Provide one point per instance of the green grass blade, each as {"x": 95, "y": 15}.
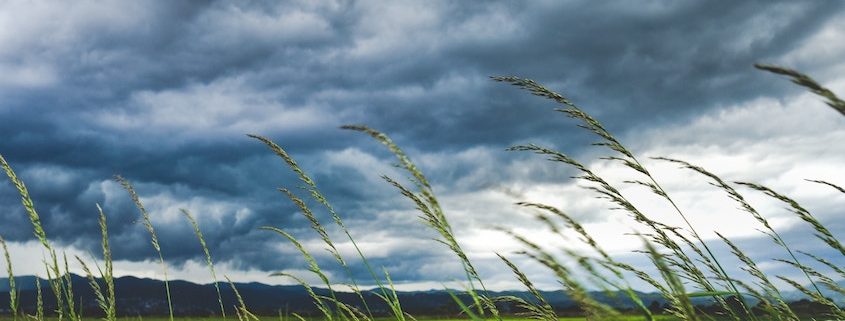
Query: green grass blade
{"x": 71, "y": 309}
{"x": 39, "y": 300}
{"x": 244, "y": 312}
{"x": 102, "y": 302}
{"x": 148, "y": 224}
{"x": 208, "y": 259}
{"x": 805, "y": 81}
{"x": 822, "y": 232}
{"x": 317, "y": 195}
{"x": 463, "y": 306}
{"x": 13, "y": 292}
{"x": 108, "y": 274}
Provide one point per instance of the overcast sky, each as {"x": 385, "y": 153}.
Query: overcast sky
{"x": 163, "y": 93}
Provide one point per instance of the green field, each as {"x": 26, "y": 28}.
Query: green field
{"x": 276, "y": 318}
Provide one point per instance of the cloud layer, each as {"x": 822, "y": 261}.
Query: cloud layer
{"x": 163, "y": 93}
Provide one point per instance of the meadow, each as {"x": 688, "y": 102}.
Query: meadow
{"x": 686, "y": 266}
{"x": 659, "y": 318}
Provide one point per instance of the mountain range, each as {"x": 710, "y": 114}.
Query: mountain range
{"x": 146, "y": 297}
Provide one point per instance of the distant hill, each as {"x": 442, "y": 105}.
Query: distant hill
{"x": 137, "y": 296}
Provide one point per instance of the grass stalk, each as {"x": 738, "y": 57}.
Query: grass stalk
{"x": 607, "y": 261}
{"x": 629, "y": 160}
{"x": 243, "y": 313}
{"x": 347, "y": 311}
{"x": 745, "y": 206}
{"x": 68, "y": 292}
{"x": 318, "y": 300}
{"x": 683, "y": 307}
{"x": 148, "y": 225}
{"x": 543, "y": 311}
{"x": 39, "y": 300}
{"x": 13, "y": 291}
{"x": 834, "y": 186}
{"x": 101, "y": 298}
{"x": 771, "y": 291}
{"x": 661, "y": 233}
{"x": 313, "y": 267}
{"x": 835, "y": 311}
{"x": 56, "y": 281}
{"x": 108, "y": 274}
{"x": 317, "y": 195}
{"x": 593, "y": 309}
{"x": 208, "y": 259}
{"x": 29, "y": 206}
{"x": 432, "y": 213}
{"x": 821, "y": 231}
{"x": 825, "y": 280}
{"x": 839, "y": 270}
{"x": 805, "y": 81}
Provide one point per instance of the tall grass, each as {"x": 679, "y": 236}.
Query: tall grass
{"x": 13, "y": 291}
{"x": 107, "y": 300}
{"x": 208, "y": 259}
{"x": 605, "y": 189}
{"x": 148, "y": 225}
{"x": 57, "y": 283}
{"x": 241, "y": 310}
{"x": 72, "y": 314}
{"x": 433, "y": 216}
{"x": 314, "y": 192}
{"x": 745, "y": 206}
{"x": 39, "y": 301}
{"x": 684, "y": 265}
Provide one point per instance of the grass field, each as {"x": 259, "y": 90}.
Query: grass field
{"x": 276, "y": 318}
{"x": 687, "y": 267}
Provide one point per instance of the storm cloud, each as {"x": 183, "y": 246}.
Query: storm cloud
{"x": 164, "y": 92}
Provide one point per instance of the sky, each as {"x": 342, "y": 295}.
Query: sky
{"x": 164, "y": 93}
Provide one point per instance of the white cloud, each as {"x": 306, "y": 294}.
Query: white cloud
{"x": 225, "y": 107}
{"x": 776, "y": 143}
{"x": 238, "y": 26}
{"x": 35, "y": 36}
{"x": 822, "y": 50}
{"x": 166, "y": 203}
{"x": 27, "y": 75}
{"x": 28, "y": 259}
{"x": 392, "y": 29}
{"x": 762, "y": 28}
{"x": 351, "y": 158}
{"x": 26, "y": 26}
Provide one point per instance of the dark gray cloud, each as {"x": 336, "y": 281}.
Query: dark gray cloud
{"x": 163, "y": 93}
